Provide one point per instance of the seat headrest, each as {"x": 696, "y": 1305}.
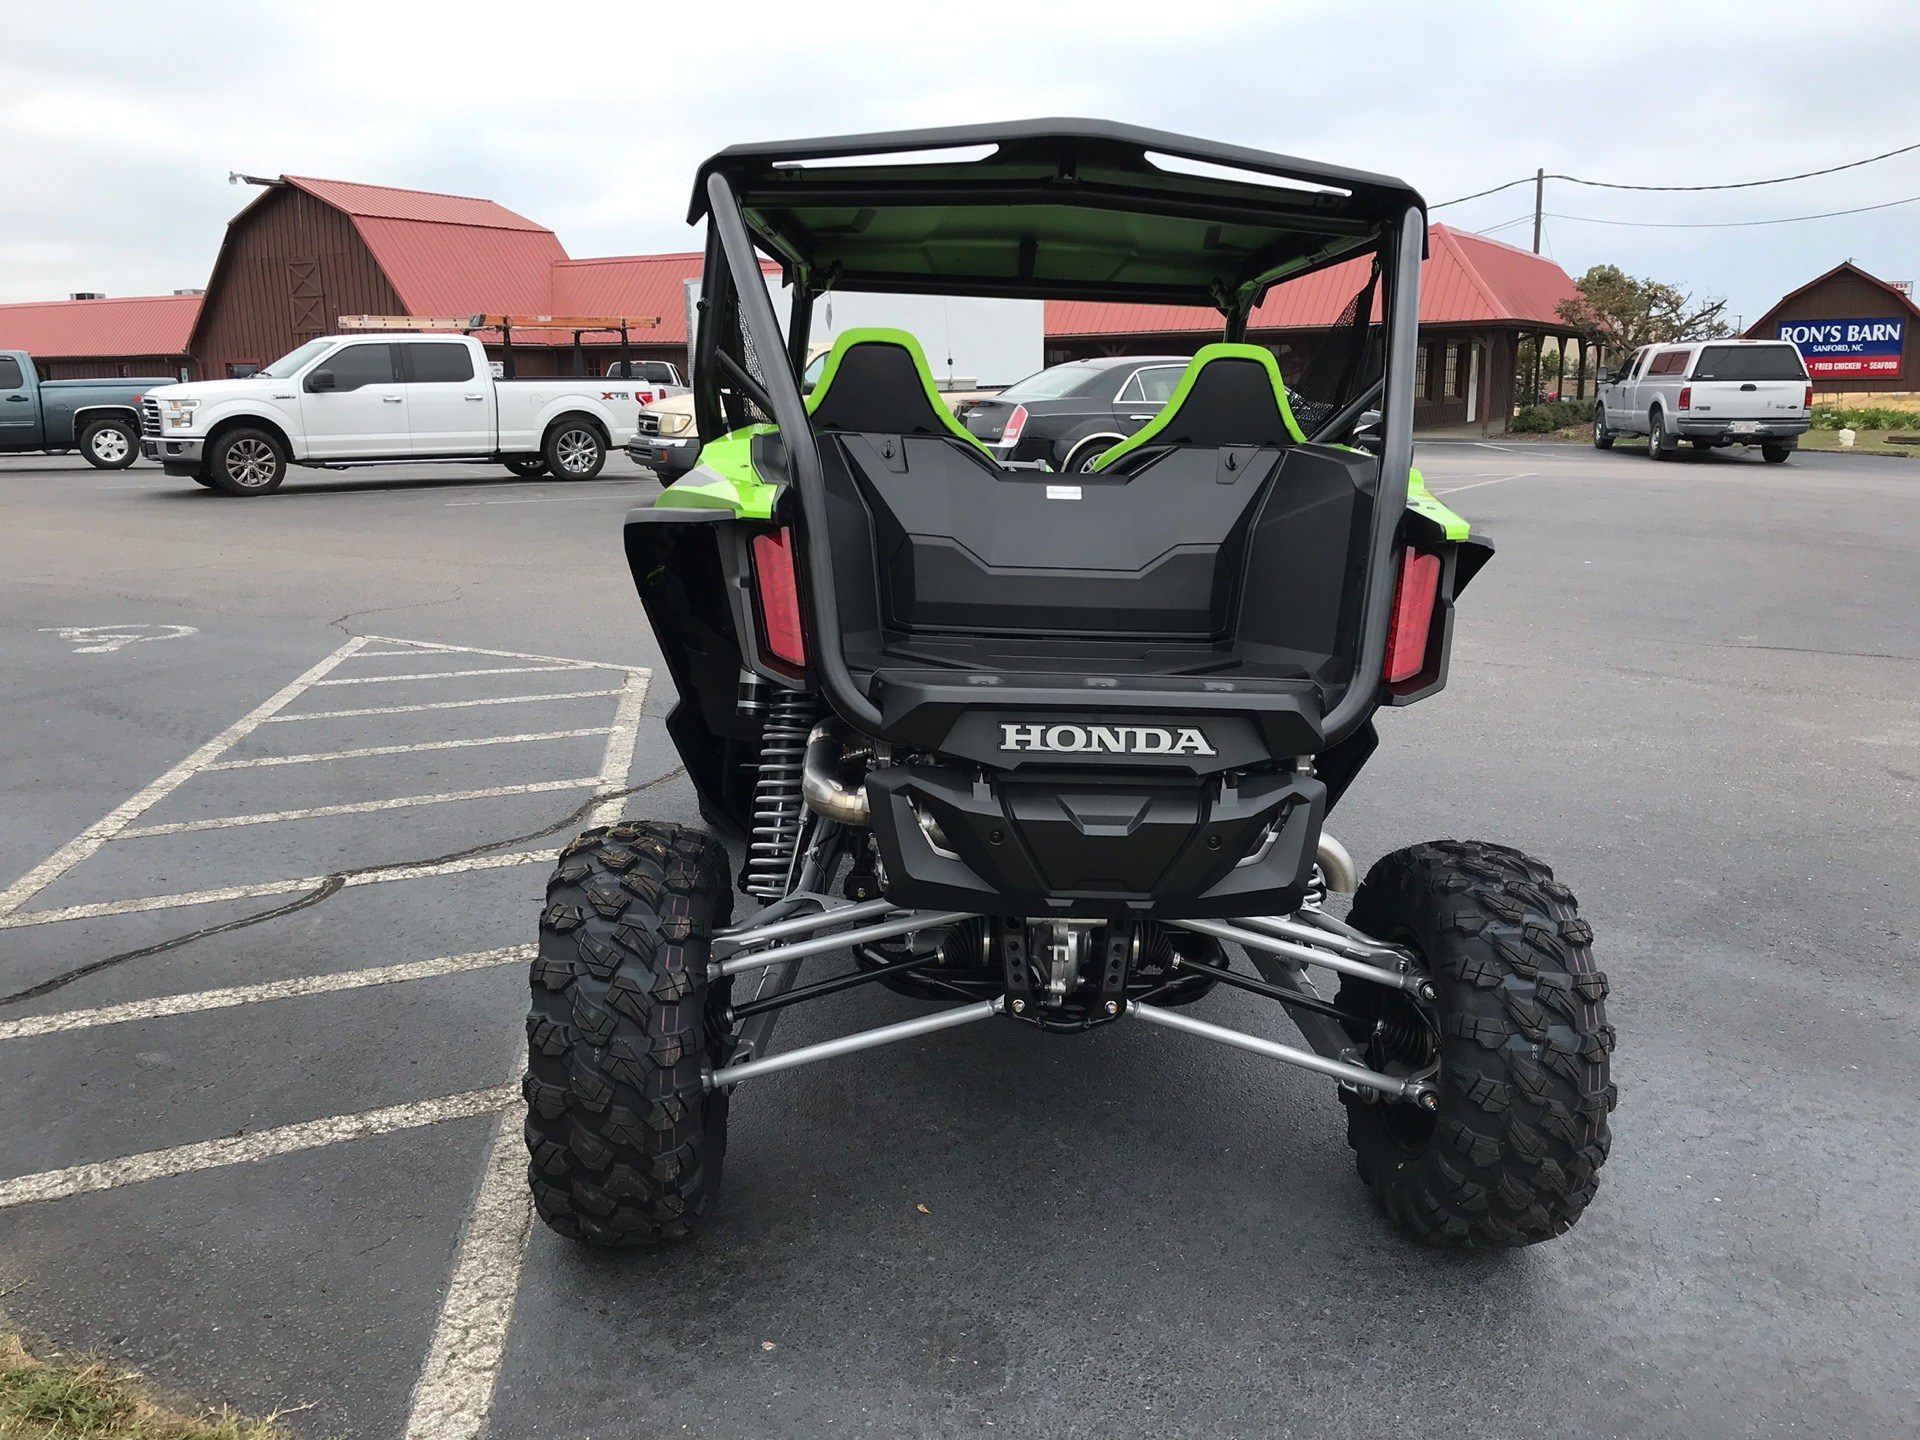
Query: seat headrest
{"x": 1229, "y": 395}
{"x": 876, "y": 381}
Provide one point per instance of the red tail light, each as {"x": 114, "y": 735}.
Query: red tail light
{"x": 1686, "y": 397}
{"x": 779, "y": 597}
{"x": 1807, "y": 404}
{"x": 1413, "y": 599}
{"x": 1016, "y": 422}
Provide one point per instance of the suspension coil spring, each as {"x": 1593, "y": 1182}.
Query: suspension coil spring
{"x": 777, "y": 808}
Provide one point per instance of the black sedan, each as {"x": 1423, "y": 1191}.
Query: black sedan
{"x": 1069, "y": 414}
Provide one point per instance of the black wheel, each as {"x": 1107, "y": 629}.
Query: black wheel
{"x": 1080, "y": 459}
{"x": 1519, "y": 1037}
{"x": 110, "y": 444}
{"x": 1657, "y": 447}
{"x": 1602, "y": 436}
{"x": 626, "y": 1147}
{"x": 1775, "y": 454}
{"x": 575, "y": 450}
{"x": 246, "y": 462}
{"x": 529, "y": 468}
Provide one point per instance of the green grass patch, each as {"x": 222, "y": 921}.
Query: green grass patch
{"x": 1865, "y": 442}
{"x": 90, "y": 1399}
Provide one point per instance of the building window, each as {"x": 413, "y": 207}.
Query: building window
{"x": 242, "y": 369}
{"x": 1450, "y": 382}
{"x": 1420, "y": 374}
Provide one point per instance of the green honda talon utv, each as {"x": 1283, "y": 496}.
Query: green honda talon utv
{"x": 1047, "y": 753}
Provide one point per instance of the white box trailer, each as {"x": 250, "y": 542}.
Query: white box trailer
{"x": 970, "y": 342}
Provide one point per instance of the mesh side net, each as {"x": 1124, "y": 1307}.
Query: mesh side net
{"x": 1349, "y": 358}
{"x": 736, "y": 342}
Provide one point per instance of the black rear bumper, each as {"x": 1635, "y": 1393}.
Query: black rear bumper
{"x": 1105, "y": 844}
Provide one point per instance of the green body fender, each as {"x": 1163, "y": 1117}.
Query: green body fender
{"x": 1420, "y": 500}
{"x": 724, "y": 479}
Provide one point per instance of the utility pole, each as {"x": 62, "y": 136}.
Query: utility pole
{"x": 1539, "y": 196}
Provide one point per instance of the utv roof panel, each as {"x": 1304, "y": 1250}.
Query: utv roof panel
{"x": 1061, "y": 208}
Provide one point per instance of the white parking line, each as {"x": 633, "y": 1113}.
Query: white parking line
{"x": 436, "y": 705}
{"x": 1497, "y": 480}
{"x": 21, "y": 919}
{"x": 622, "y": 739}
{"x": 454, "y": 1393}
{"x": 116, "y": 820}
{"x": 450, "y": 674}
{"x": 437, "y": 647}
{"x": 357, "y": 807}
{"x": 262, "y": 761}
{"x": 230, "y": 996}
{"x": 259, "y": 1145}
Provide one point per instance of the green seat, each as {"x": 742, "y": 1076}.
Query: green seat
{"x": 1230, "y": 395}
{"x": 876, "y": 381}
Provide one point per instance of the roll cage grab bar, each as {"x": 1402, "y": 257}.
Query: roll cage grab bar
{"x": 1407, "y": 240}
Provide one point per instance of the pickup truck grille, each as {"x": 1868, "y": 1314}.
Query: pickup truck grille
{"x": 149, "y": 417}
{"x": 647, "y": 424}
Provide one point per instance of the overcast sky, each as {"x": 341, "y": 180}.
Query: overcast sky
{"x": 121, "y": 121}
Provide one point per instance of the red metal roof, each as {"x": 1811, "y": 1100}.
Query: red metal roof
{"x": 135, "y": 325}
{"x": 634, "y": 285}
{"x": 1466, "y": 279}
{"x": 383, "y": 202}
{"x": 448, "y": 254}
{"x": 630, "y": 285}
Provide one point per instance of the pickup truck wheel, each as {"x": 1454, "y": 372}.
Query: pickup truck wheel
{"x": 575, "y": 450}
{"x": 110, "y": 444}
{"x": 246, "y": 462}
{"x": 527, "y": 469}
{"x": 1602, "y": 437}
{"x": 1657, "y": 447}
{"x": 1775, "y": 454}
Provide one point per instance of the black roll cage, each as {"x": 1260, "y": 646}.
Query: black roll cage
{"x": 735, "y": 297}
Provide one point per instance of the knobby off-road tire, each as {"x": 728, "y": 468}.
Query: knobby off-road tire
{"x": 1513, "y": 1153}
{"x": 626, "y": 1148}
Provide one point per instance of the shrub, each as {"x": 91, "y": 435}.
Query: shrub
{"x": 1553, "y": 415}
{"x": 1863, "y": 417}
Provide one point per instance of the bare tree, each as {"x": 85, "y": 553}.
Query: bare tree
{"x": 1621, "y": 313}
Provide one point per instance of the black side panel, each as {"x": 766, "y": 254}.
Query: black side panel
{"x": 679, "y": 572}
{"x": 1306, "y": 561}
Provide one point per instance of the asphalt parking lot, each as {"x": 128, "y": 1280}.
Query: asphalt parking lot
{"x": 278, "y": 778}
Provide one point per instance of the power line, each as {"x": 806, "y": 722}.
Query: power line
{"x": 1504, "y": 224}
{"x": 1745, "y": 184}
{"x": 1724, "y": 224}
{"x": 1731, "y": 185}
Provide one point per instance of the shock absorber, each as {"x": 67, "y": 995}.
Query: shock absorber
{"x": 777, "y": 810}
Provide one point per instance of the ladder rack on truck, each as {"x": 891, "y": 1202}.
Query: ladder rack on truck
{"x": 507, "y": 324}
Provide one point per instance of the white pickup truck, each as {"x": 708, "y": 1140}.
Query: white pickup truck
{"x": 1709, "y": 393}
{"x": 380, "y": 399}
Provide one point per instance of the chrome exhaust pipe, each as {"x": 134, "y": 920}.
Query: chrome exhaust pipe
{"x": 1336, "y": 865}
{"x": 822, "y": 787}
